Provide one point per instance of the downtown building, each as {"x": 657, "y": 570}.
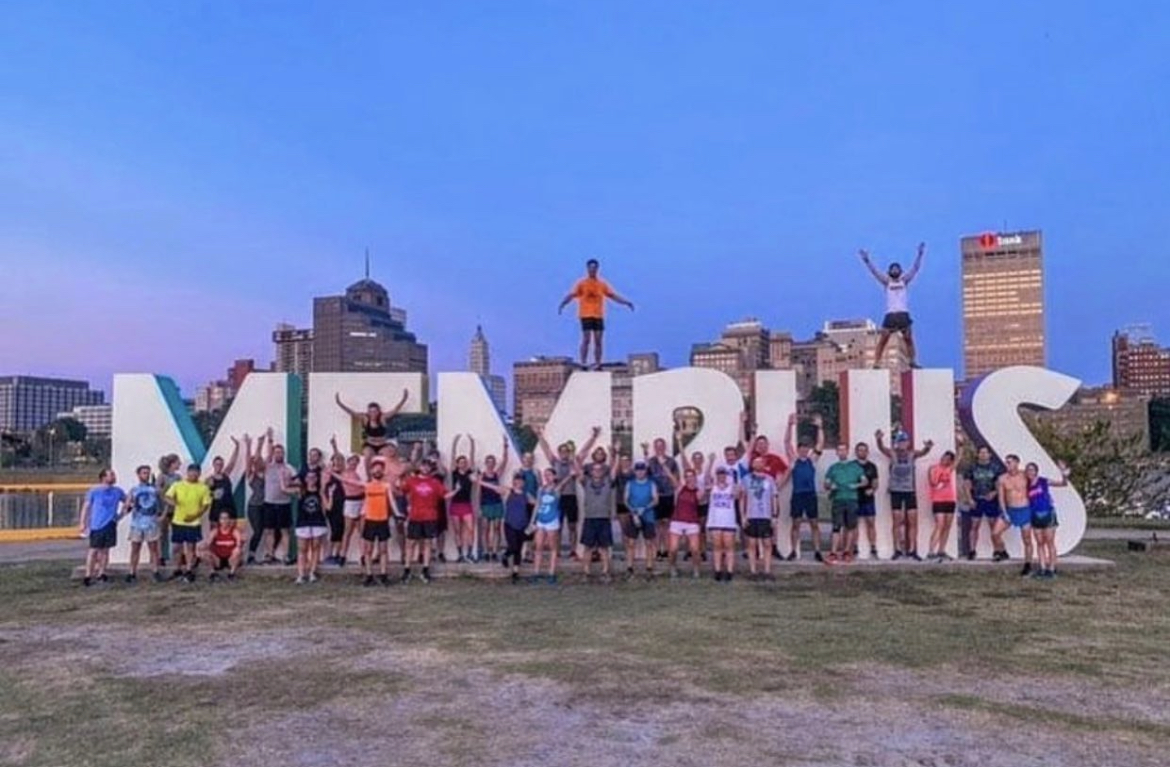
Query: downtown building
{"x": 479, "y": 361}
{"x": 1003, "y": 302}
{"x": 28, "y": 402}
{"x": 1140, "y": 365}
{"x": 537, "y": 384}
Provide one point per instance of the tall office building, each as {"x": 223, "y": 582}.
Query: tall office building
{"x": 1140, "y": 365}
{"x": 1003, "y": 301}
{"x": 479, "y": 361}
{"x": 536, "y": 386}
{"x": 27, "y": 402}
{"x": 294, "y": 350}
{"x": 98, "y": 420}
{"x": 361, "y": 332}
{"x": 744, "y": 348}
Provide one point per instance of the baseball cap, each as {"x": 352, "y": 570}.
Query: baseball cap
{"x": 640, "y": 465}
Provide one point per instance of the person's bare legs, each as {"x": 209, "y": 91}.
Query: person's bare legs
{"x": 766, "y": 552}
{"x": 795, "y": 548}
{"x": 899, "y": 529}
{"x": 871, "y": 532}
{"x": 135, "y": 552}
{"x": 883, "y": 341}
{"x": 912, "y": 531}
{"x": 597, "y": 346}
{"x": 908, "y": 342}
{"x": 1026, "y": 535}
{"x": 585, "y": 335}
{"x": 696, "y": 553}
{"x": 973, "y": 536}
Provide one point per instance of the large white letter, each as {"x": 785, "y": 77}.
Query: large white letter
{"x": 586, "y": 402}
{"x": 714, "y": 394}
{"x": 864, "y": 409}
{"x": 327, "y": 420}
{"x": 466, "y": 408}
{"x": 928, "y": 413}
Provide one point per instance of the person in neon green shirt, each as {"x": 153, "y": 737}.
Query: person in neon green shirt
{"x": 191, "y": 499}
{"x": 843, "y": 480}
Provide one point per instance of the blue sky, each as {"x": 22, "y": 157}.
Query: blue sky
{"x": 177, "y": 177}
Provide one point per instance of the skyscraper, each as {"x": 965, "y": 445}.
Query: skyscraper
{"x": 479, "y": 361}
{"x": 1003, "y": 301}
{"x": 537, "y": 385}
{"x": 294, "y": 350}
{"x": 361, "y": 332}
{"x": 27, "y": 403}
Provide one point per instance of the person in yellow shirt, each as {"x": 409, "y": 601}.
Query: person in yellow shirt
{"x": 590, "y": 294}
{"x": 191, "y": 499}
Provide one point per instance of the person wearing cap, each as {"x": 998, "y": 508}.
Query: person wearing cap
{"x": 517, "y": 505}
{"x": 903, "y": 490}
{"x": 722, "y": 523}
{"x": 425, "y": 495}
{"x": 191, "y": 500}
{"x": 641, "y": 500}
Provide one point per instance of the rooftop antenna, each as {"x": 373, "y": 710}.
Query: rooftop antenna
{"x": 367, "y": 262}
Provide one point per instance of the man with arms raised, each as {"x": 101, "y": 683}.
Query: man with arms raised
{"x": 590, "y": 294}
{"x": 803, "y": 461}
{"x": 1013, "y": 492}
{"x": 903, "y": 489}
{"x": 897, "y": 317}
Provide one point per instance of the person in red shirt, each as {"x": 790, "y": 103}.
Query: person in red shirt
{"x": 424, "y": 495}
{"x": 224, "y": 548}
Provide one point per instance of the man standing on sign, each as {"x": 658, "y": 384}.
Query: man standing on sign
{"x": 590, "y": 294}
{"x": 897, "y": 317}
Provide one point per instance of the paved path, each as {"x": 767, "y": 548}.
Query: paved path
{"x": 54, "y": 549}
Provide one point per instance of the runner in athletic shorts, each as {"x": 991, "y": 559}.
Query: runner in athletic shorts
{"x": 564, "y": 464}
{"x": 354, "y": 489}
{"x": 982, "y": 484}
{"x": 685, "y": 526}
{"x": 312, "y": 526}
{"x": 722, "y": 524}
{"x": 664, "y": 471}
{"x": 99, "y": 520}
{"x": 903, "y": 491}
{"x": 335, "y": 494}
{"x": 225, "y": 548}
{"x": 461, "y": 512}
{"x": 897, "y": 317}
{"x": 802, "y": 460}
{"x": 702, "y": 467}
{"x": 1044, "y": 522}
{"x": 547, "y": 523}
{"x": 597, "y": 510}
{"x": 143, "y": 504}
{"x": 943, "y": 503}
{"x": 376, "y": 508}
{"x": 277, "y": 503}
{"x": 843, "y": 480}
{"x": 491, "y": 504}
{"x": 254, "y": 475}
{"x": 191, "y": 499}
{"x": 866, "y": 497}
{"x": 426, "y": 494}
{"x": 1013, "y": 492}
{"x": 590, "y": 294}
{"x": 758, "y": 497}
{"x": 642, "y": 501}
{"x": 375, "y": 431}
{"x": 516, "y": 504}
{"x": 223, "y": 489}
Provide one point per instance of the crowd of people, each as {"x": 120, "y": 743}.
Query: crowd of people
{"x": 667, "y": 506}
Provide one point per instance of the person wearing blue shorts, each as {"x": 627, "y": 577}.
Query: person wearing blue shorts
{"x": 981, "y": 487}
{"x": 1044, "y": 516}
{"x": 1013, "y": 492}
{"x": 802, "y": 460}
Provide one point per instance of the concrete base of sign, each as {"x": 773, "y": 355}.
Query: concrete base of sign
{"x": 569, "y": 569}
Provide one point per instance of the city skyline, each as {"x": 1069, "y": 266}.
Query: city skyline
{"x": 187, "y": 180}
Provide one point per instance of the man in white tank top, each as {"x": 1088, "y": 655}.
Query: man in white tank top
{"x": 897, "y": 318}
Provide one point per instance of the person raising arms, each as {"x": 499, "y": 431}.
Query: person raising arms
{"x": 903, "y": 490}
{"x": 687, "y": 522}
{"x": 591, "y": 294}
{"x": 461, "y": 510}
{"x": 1044, "y": 516}
{"x": 897, "y": 318}
{"x": 375, "y": 424}
{"x": 802, "y": 460}
{"x": 491, "y": 504}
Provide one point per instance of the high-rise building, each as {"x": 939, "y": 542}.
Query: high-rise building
{"x": 213, "y": 396}
{"x": 744, "y": 348}
{"x": 1003, "y": 301}
{"x": 240, "y": 370}
{"x": 27, "y": 402}
{"x": 1127, "y": 414}
{"x": 1140, "y": 365}
{"x": 294, "y": 350}
{"x": 479, "y": 361}
{"x": 537, "y": 385}
{"x": 644, "y": 364}
{"x": 361, "y": 332}
{"x": 814, "y": 361}
{"x": 98, "y": 420}
{"x": 780, "y": 351}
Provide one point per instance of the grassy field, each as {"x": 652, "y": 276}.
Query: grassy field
{"x": 869, "y": 668}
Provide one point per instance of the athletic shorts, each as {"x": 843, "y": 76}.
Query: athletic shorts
{"x": 703, "y": 510}
{"x": 592, "y": 324}
{"x": 186, "y": 534}
{"x": 277, "y": 516}
{"x": 104, "y": 538}
{"x": 311, "y": 532}
{"x": 804, "y": 505}
{"x": 377, "y": 530}
{"x": 144, "y": 532}
{"x": 900, "y": 499}
{"x": 514, "y": 539}
{"x": 597, "y": 533}
{"x": 459, "y": 510}
{"x": 758, "y": 528}
{"x": 985, "y": 508}
{"x": 553, "y": 526}
{"x": 419, "y": 530}
{"x": 943, "y": 507}
{"x": 679, "y": 528}
{"x": 353, "y": 509}
{"x": 492, "y": 511}
{"x": 844, "y": 515}
{"x": 569, "y": 509}
{"x": 646, "y": 529}
{"x": 897, "y": 321}
{"x": 665, "y": 509}
{"x": 866, "y": 509}
{"x": 1042, "y": 521}
{"x": 1019, "y": 517}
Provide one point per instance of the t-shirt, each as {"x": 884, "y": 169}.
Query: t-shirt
{"x": 984, "y": 479}
{"x": 564, "y": 470}
{"x": 897, "y": 296}
{"x": 1039, "y": 496}
{"x": 424, "y": 495}
{"x": 531, "y": 482}
{"x": 620, "y": 481}
{"x": 902, "y": 473}
{"x": 658, "y": 468}
{"x": 222, "y": 495}
{"x": 640, "y": 493}
{"x": 104, "y": 501}
{"x": 144, "y": 502}
{"x": 591, "y": 295}
{"x": 721, "y": 512}
{"x": 275, "y": 476}
{"x": 759, "y": 491}
{"x": 256, "y": 491}
{"x": 942, "y": 484}
{"x": 597, "y": 498}
{"x": 686, "y": 505}
{"x": 774, "y": 466}
{"x": 376, "y": 506}
{"x": 548, "y": 507}
{"x": 846, "y": 476}
{"x": 462, "y": 484}
{"x": 516, "y": 511}
{"x": 804, "y": 476}
{"x": 312, "y": 511}
{"x": 735, "y": 471}
{"x": 191, "y": 498}
{"x": 865, "y": 495}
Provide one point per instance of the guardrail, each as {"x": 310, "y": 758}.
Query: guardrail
{"x": 35, "y": 511}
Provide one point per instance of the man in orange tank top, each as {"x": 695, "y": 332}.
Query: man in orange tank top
{"x": 591, "y": 294}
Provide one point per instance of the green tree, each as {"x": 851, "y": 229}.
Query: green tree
{"x": 525, "y": 437}
{"x": 825, "y": 400}
{"x": 1160, "y": 425}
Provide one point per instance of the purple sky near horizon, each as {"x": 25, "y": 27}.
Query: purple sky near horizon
{"x": 178, "y": 177}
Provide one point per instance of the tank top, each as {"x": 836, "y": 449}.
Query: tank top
{"x": 488, "y": 497}
{"x": 461, "y": 482}
{"x": 564, "y": 470}
{"x": 942, "y": 484}
{"x": 897, "y": 301}
{"x": 373, "y": 431}
{"x": 640, "y": 493}
{"x": 224, "y": 541}
{"x": 721, "y": 511}
{"x": 686, "y": 505}
{"x": 222, "y": 495}
{"x": 336, "y": 497}
{"x": 312, "y": 512}
{"x": 256, "y": 491}
{"x": 902, "y": 473}
{"x": 516, "y": 511}
{"x": 804, "y": 476}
